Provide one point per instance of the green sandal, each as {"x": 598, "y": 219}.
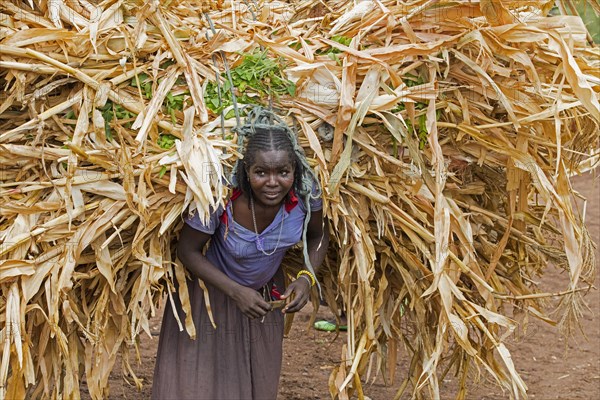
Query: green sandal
{"x": 328, "y": 326}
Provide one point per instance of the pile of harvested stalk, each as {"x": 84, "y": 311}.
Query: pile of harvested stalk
{"x": 444, "y": 134}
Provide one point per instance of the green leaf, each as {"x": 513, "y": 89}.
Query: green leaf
{"x": 256, "y": 78}
{"x": 166, "y": 141}
{"x": 342, "y": 40}
{"x": 162, "y": 171}
{"x": 291, "y": 89}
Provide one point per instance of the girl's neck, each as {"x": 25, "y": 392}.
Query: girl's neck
{"x": 261, "y": 207}
{"x": 264, "y": 215}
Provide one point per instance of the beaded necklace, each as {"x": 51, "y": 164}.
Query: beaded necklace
{"x": 260, "y": 241}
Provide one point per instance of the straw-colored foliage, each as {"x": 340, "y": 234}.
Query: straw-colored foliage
{"x": 444, "y": 134}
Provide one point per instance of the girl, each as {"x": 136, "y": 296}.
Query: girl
{"x": 273, "y": 206}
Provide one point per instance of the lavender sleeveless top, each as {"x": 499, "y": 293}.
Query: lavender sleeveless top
{"x": 235, "y": 250}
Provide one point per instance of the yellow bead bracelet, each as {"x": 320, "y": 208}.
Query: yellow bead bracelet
{"x": 312, "y": 282}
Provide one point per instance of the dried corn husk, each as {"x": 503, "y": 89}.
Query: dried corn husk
{"x": 442, "y": 227}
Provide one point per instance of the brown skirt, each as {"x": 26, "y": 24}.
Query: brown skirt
{"x": 240, "y": 359}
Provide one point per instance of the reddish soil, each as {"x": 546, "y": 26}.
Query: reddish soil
{"x": 552, "y": 367}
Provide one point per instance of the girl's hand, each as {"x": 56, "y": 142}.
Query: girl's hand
{"x": 301, "y": 289}
{"x": 251, "y": 303}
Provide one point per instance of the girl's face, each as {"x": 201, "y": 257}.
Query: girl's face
{"x": 271, "y": 176}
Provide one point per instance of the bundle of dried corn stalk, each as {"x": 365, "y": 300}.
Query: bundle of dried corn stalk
{"x": 444, "y": 134}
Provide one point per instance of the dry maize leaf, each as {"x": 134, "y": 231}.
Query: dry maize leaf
{"x": 429, "y": 98}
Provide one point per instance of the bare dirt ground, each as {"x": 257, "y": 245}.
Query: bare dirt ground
{"x": 552, "y": 367}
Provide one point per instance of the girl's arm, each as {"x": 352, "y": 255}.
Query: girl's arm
{"x": 189, "y": 251}
{"x": 317, "y": 241}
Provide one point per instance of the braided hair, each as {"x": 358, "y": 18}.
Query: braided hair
{"x": 265, "y": 131}
{"x": 266, "y": 139}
